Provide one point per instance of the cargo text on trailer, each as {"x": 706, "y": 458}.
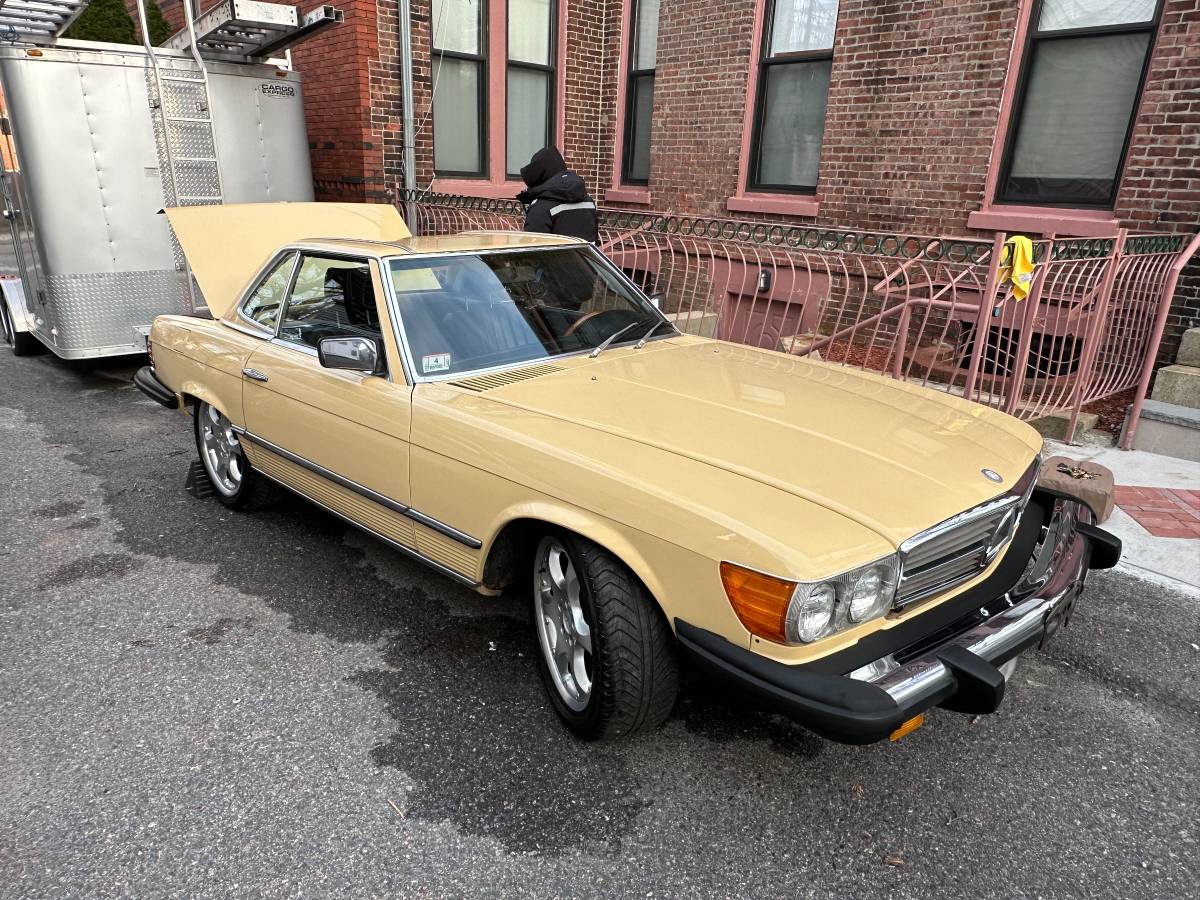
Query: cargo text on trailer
{"x": 103, "y": 136}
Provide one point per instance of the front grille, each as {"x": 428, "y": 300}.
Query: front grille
{"x": 955, "y": 551}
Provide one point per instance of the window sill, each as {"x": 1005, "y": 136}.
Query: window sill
{"x": 1088, "y": 223}
{"x": 774, "y": 203}
{"x": 474, "y": 187}
{"x": 640, "y": 196}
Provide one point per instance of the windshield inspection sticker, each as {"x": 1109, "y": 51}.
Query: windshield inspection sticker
{"x": 435, "y": 362}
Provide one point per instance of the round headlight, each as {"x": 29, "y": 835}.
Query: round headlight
{"x": 816, "y": 612}
{"x": 867, "y": 594}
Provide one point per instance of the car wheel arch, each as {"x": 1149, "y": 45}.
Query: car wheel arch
{"x": 513, "y": 545}
{"x": 194, "y": 393}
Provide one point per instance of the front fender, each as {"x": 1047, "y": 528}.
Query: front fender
{"x": 677, "y": 578}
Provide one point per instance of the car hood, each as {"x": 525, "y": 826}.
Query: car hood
{"x": 891, "y": 456}
{"x": 226, "y": 244}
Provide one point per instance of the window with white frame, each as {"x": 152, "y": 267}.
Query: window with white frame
{"x": 529, "y": 122}
{"x": 459, "y": 86}
{"x": 463, "y": 68}
{"x": 793, "y": 85}
{"x": 639, "y": 91}
{"x": 1081, "y": 77}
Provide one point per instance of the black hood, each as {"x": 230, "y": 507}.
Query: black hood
{"x": 546, "y": 163}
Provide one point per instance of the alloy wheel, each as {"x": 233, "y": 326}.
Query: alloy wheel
{"x": 563, "y": 631}
{"x": 221, "y": 451}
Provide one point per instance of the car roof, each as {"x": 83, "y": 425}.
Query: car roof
{"x": 464, "y": 242}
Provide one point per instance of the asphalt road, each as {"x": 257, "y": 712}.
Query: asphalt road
{"x": 200, "y": 703}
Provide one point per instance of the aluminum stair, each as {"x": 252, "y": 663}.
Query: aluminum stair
{"x": 38, "y": 18}
{"x": 251, "y": 29}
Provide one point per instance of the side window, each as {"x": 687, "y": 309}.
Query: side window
{"x": 331, "y": 298}
{"x": 264, "y": 304}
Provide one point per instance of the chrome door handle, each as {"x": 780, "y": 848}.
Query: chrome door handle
{"x": 254, "y": 374}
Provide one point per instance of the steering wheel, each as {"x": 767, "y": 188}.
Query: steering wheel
{"x": 624, "y": 314}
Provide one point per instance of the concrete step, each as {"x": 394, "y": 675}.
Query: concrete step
{"x": 1179, "y": 385}
{"x": 798, "y": 344}
{"x": 695, "y": 321}
{"x": 1168, "y": 429}
{"x": 1189, "y": 348}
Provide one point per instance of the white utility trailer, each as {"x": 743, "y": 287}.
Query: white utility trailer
{"x": 103, "y": 136}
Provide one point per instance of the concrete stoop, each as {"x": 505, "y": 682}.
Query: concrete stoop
{"x": 1189, "y": 349}
{"x": 1170, "y": 429}
{"x": 1179, "y": 385}
{"x": 1054, "y": 426}
{"x": 697, "y": 321}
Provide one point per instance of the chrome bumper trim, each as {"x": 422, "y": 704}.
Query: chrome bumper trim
{"x": 999, "y": 637}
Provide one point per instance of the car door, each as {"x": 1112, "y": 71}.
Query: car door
{"x": 339, "y": 437}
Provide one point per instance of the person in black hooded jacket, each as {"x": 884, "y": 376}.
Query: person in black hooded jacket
{"x": 557, "y": 198}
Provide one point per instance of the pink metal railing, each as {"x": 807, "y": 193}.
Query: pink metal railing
{"x": 939, "y": 312}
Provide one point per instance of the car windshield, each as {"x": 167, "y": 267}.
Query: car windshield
{"x": 477, "y": 311}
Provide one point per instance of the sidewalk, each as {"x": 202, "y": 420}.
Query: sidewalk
{"x": 1157, "y": 516}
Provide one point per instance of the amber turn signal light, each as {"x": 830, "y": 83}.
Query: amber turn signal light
{"x": 760, "y": 601}
{"x": 907, "y": 727}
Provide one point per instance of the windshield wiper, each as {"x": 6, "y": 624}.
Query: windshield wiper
{"x": 608, "y": 340}
{"x": 645, "y": 337}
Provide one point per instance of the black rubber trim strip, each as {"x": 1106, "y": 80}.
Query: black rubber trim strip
{"x": 980, "y": 684}
{"x": 1105, "y": 546}
{"x": 147, "y": 382}
{"x": 890, "y": 640}
{"x": 374, "y": 496}
{"x": 1063, "y": 495}
{"x": 842, "y": 709}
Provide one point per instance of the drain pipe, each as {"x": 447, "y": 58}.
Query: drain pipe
{"x": 406, "y": 101}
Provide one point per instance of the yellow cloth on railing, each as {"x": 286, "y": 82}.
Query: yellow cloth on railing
{"x": 1017, "y": 265}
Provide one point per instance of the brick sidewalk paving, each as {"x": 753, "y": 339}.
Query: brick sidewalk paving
{"x": 1163, "y": 512}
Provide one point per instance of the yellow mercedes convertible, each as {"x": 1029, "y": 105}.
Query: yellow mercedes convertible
{"x": 510, "y": 409}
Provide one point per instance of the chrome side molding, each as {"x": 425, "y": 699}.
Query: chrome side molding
{"x": 374, "y": 496}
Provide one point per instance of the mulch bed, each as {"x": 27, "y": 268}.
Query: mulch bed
{"x": 1111, "y": 410}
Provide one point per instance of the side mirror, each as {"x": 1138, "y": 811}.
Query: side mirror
{"x": 656, "y": 298}
{"x": 357, "y": 354}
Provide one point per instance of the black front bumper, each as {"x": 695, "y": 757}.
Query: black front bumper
{"x": 948, "y": 656}
{"x": 147, "y": 382}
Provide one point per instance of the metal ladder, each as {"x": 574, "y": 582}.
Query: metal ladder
{"x": 183, "y": 125}
{"x": 183, "y": 130}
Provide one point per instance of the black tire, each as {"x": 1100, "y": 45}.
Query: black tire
{"x": 633, "y": 667}
{"x": 252, "y": 489}
{"x": 22, "y": 342}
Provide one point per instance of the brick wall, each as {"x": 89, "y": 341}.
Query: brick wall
{"x": 913, "y": 107}
{"x": 1161, "y": 188}
{"x": 591, "y": 38}
{"x": 346, "y": 146}
{"x": 912, "y": 117}
{"x": 699, "y": 103}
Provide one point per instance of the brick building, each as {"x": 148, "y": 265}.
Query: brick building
{"x": 960, "y": 117}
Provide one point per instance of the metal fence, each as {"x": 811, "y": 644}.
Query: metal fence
{"x": 935, "y": 311}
